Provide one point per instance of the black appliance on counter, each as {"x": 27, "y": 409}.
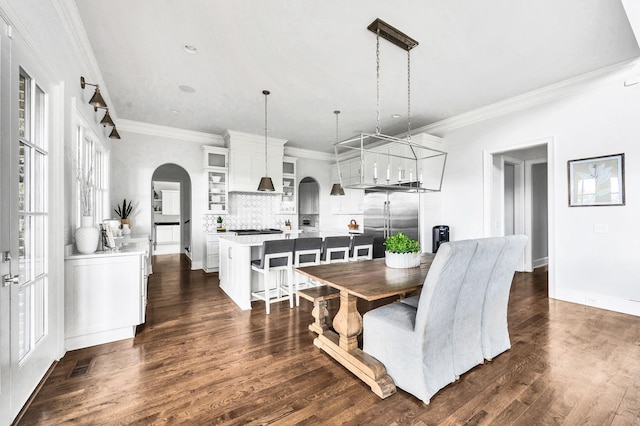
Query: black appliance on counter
{"x": 440, "y": 235}
{"x": 255, "y": 231}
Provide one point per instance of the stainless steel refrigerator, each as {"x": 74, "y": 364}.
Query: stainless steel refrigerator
{"x": 387, "y": 212}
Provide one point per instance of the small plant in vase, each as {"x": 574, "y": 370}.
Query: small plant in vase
{"x": 401, "y": 251}
{"x": 123, "y": 213}
{"x": 219, "y": 222}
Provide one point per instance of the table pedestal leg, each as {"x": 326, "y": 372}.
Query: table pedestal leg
{"x": 343, "y": 347}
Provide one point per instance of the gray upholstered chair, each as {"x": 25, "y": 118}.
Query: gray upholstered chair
{"x": 416, "y": 344}
{"x": 277, "y": 256}
{"x": 467, "y": 341}
{"x": 495, "y": 332}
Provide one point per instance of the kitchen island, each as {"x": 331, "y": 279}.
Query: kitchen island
{"x": 236, "y": 254}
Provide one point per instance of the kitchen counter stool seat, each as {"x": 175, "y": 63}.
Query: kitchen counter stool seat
{"x": 361, "y": 247}
{"x": 275, "y": 263}
{"x": 306, "y": 253}
{"x": 336, "y": 249}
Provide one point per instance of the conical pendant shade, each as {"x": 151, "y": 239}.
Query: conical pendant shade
{"x": 106, "y": 120}
{"x": 336, "y": 189}
{"x": 114, "y": 134}
{"x": 266, "y": 184}
{"x": 97, "y": 100}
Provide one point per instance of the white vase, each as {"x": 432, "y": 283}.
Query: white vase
{"x": 401, "y": 260}
{"x": 87, "y": 236}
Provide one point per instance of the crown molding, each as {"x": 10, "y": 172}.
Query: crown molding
{"x": 307, "y": 153}
{"x": 70, "y": 19}
{"x": 535, "y": 97}
{"x": 169, "y": 132}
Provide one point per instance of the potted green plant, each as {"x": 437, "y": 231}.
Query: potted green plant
{"x": 123, "y": 212}
{"x": 220, "y": 227}
{"x": 401, "y": 251}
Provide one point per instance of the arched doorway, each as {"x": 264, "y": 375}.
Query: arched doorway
{"x": 309, "y": 206}
{"x": 171, "y": 210}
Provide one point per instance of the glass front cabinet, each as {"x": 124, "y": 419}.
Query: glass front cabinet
{"x": 216, "y": 171}
{"x": 289, "y": 199}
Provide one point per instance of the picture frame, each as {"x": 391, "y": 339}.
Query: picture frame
{"x": 596, "y": 181}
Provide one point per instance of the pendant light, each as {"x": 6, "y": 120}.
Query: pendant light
{"x": 337, "y": 189}
{"x": 114, "y": 133}
{"x": 265, "y": 182}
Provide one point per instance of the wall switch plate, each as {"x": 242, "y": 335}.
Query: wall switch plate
{"x": 601, "y": 228}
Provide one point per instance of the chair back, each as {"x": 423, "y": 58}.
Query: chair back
{"x": 467, "y": 341}
{"x": 307, "y": 251}
{"x": 279, "y": 253}
{"x": 361, "y": 247}
{"x": 336, "y": 249}
{"x": 495, "y": 332}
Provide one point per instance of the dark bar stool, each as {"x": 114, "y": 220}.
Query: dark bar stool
{"x": 361, "y": 247}
{"x": 336, "y": 249}
{"x": 277, "y": 256}
{"x": 306, "y": 253}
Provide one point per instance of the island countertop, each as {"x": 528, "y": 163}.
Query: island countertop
{"x": 250, "y": 240}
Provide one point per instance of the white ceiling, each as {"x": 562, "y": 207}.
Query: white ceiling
{"x": 318, "y": 56}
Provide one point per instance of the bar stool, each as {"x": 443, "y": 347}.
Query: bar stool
{"x": 335, "y": 249}
{"x": 277, "y": 256}
{"x": 306, "y": 253}
{"x": 361, "y": 247}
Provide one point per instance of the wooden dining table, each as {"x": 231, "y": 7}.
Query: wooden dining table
{"x": 369, "y": 280}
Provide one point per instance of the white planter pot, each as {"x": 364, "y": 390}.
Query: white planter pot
{"x": 401, "y": 260}
{"x": 87, "y": 236}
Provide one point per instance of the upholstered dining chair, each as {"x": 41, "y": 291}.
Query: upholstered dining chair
{"x": 275, "y": 263}
{"x": 495, "y": 331}
{"x": 416, "y": 344}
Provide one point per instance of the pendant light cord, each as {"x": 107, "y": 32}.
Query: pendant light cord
{"x": 378, "y": 82}
{"x": 409, "y": 95}
{"x": 265, "y": 93}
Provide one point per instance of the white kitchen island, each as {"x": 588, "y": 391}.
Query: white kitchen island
{"x": 236, "y": 253}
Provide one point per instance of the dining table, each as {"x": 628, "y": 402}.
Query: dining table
{"x": 370, "y": 280}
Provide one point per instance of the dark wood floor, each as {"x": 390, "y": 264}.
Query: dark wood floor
{"x": 201, "y": 360}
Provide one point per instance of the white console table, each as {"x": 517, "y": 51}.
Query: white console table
{"x": 105, "y": 295}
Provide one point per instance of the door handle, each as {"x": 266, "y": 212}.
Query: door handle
{"x": 9, "y": 279}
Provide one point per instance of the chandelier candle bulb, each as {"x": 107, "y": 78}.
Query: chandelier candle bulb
{"x": 410, "y": 174}
{"x": 375, "y": 170}
{"x": 420, "y": 177}
{"x": 399, "y": 173}
{"x": 388, "y": 172}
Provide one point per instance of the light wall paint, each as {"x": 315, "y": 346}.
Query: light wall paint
{"x": 584, "y": 267}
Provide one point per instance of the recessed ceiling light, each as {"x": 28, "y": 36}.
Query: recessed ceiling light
{"x": 175, "y": 111}
{"x": 187, "y": 89}
{"x": 190, "y": 49}
{"x": 396, "y": 116}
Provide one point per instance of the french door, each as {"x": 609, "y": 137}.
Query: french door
{"x": 29, "y": 331}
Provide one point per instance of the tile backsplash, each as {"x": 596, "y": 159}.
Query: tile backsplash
{"x": 248, "y": 210}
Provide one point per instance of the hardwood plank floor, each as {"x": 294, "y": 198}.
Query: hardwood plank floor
{"x": 201, "y": 360}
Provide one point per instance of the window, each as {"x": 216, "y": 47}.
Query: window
{"x": 92, "y": 167}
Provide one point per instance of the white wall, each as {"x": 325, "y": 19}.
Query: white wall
{"x": 585, "y": 267}
{"x": 134, "y": 159}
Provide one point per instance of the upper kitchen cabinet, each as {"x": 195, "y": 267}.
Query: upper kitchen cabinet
{"x": 216, "y": 172}
{"x": 247, "y": 161}
{"x": 289, "y": 199}
{"x": 170, "y": 202}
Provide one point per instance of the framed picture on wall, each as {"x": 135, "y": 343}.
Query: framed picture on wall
{"x": 596, "y": 181}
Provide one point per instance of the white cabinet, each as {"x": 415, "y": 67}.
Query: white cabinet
{"x": 216, "y": 172}
{"x": 247, "y": 161}
{"x": 105, "y": 297}
{"x": 289, "y": 198}
{"x": 170, "y": 202}
{"x": 352, "y": 202}
{"x": 167, "y": 234}
{"x": 212, "y": 253}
